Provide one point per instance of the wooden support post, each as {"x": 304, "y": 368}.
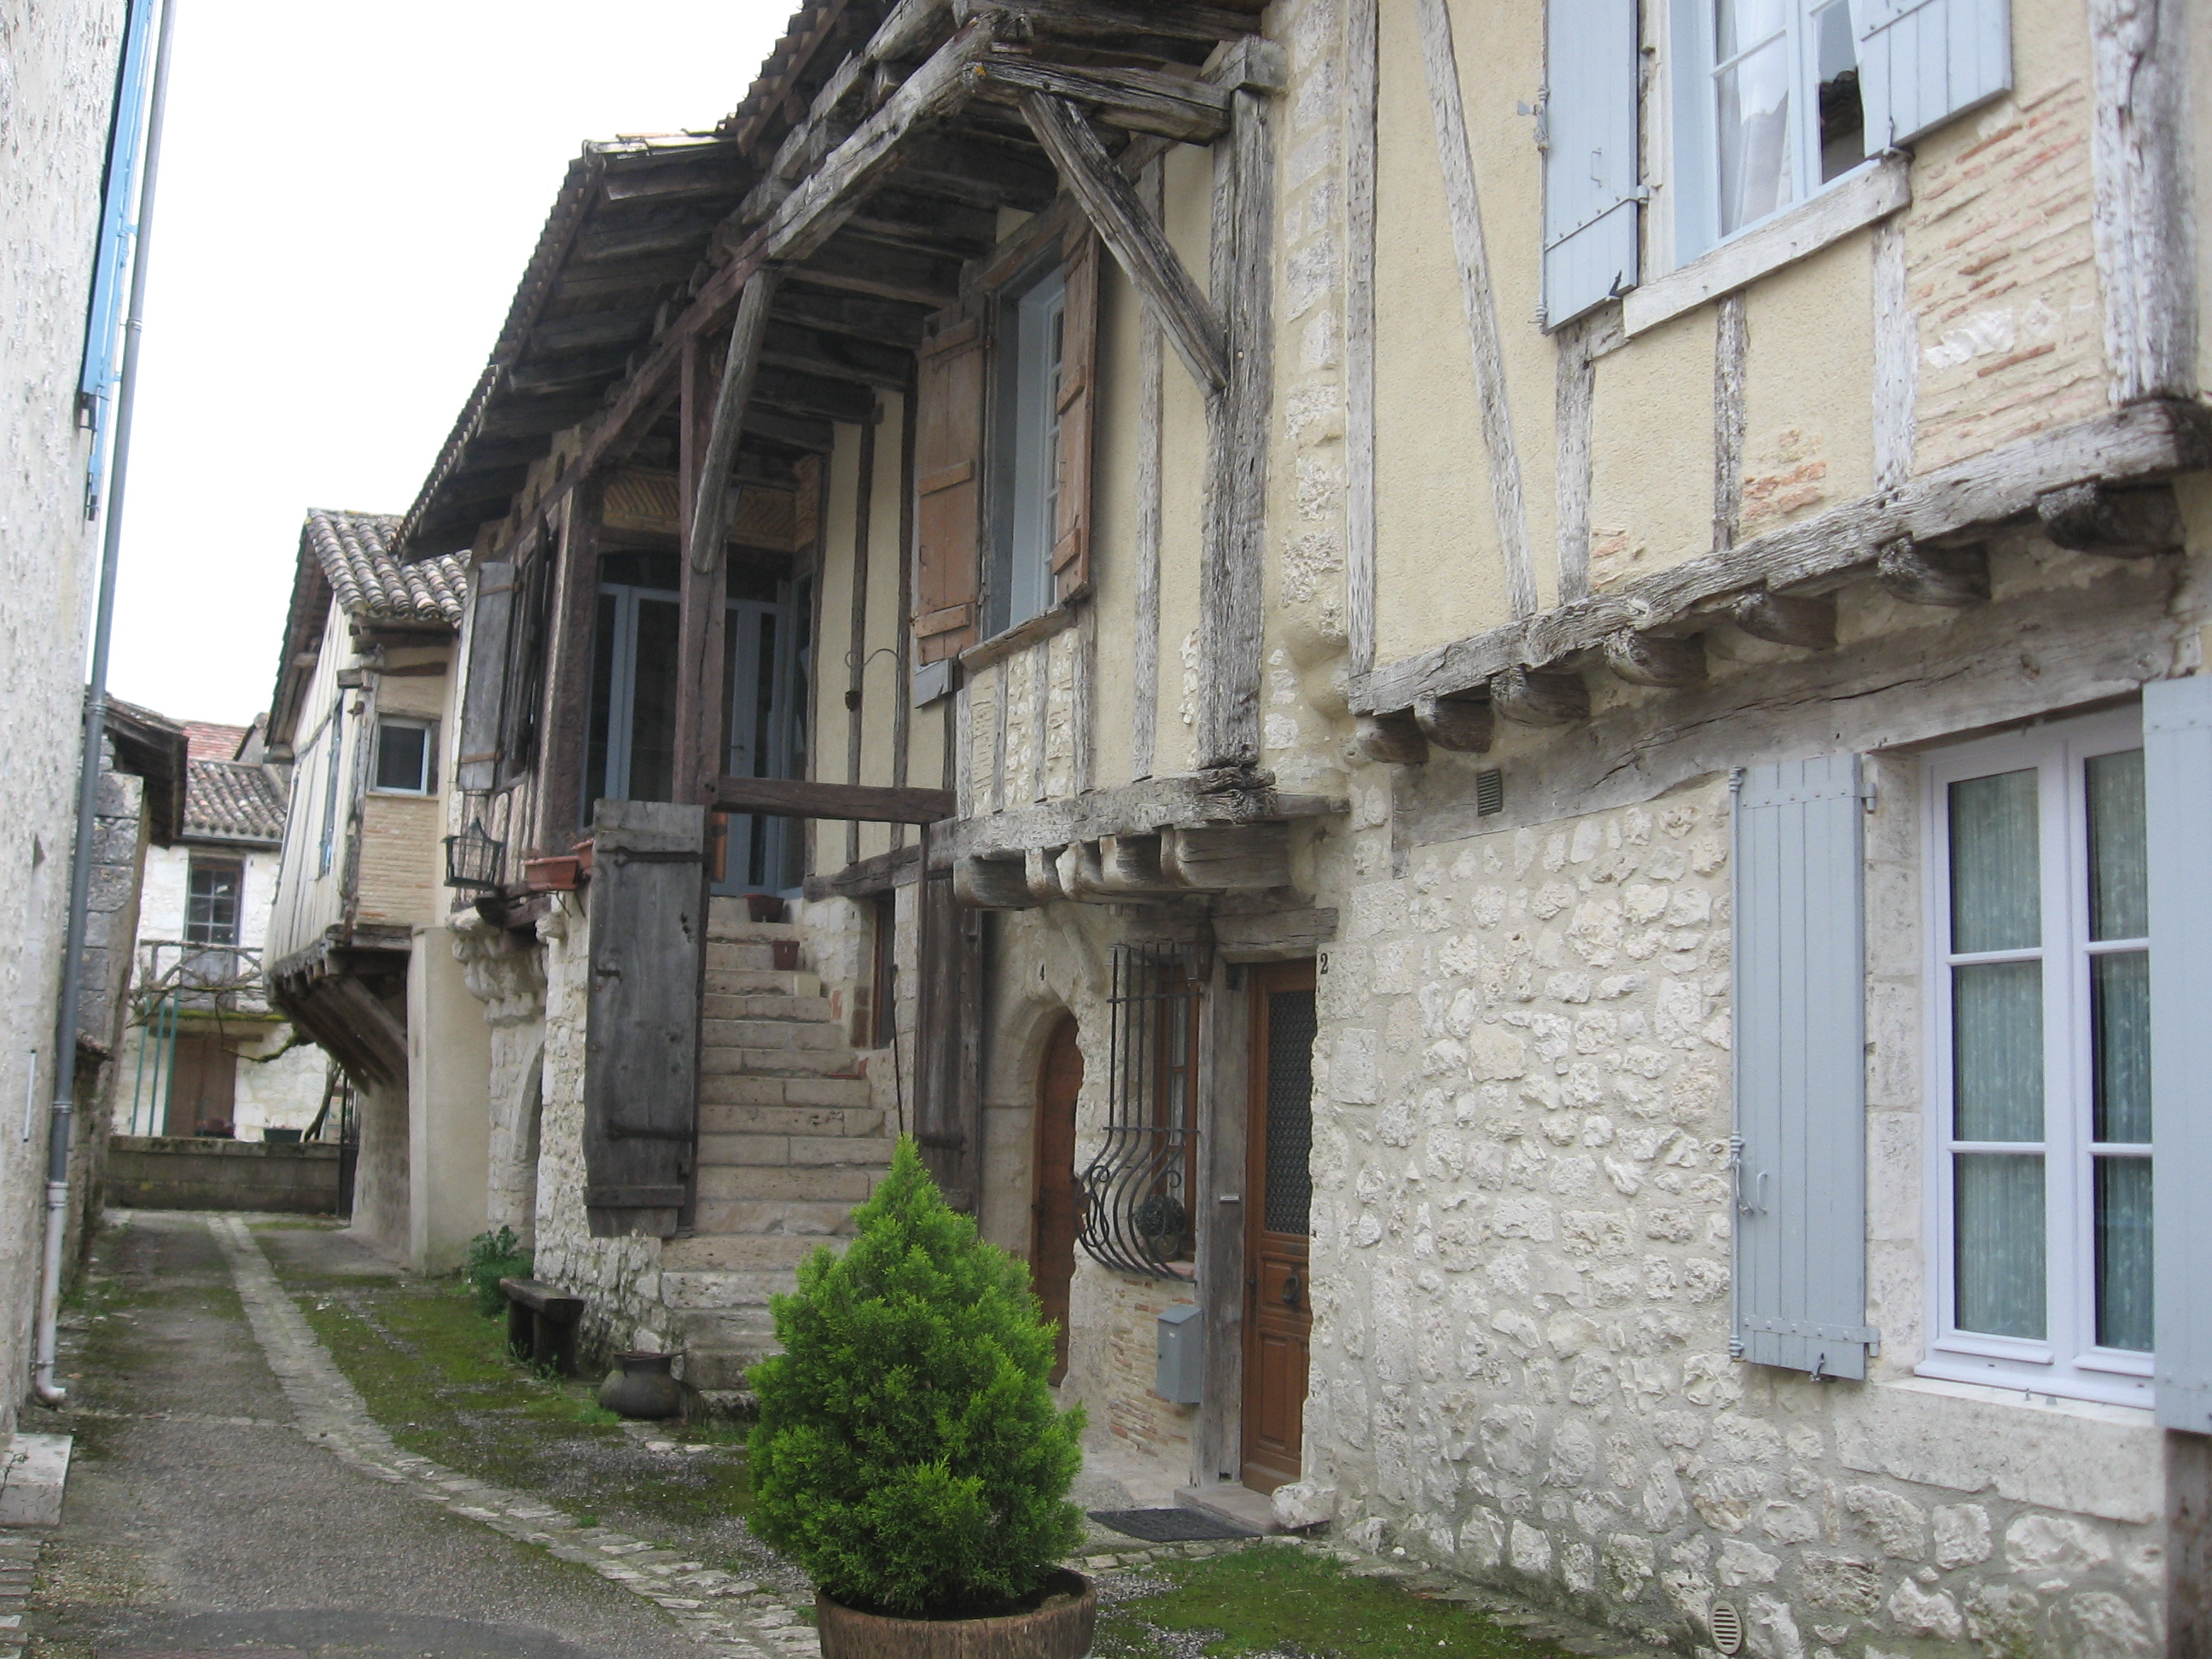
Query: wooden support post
{"x": 1731, "y": 354}
{"x": 856, "y": 654}
{"x": 564, "y": 804}
{"x": 699, "y": 627}
{"x": 1805, "y": 620}
{"x": 709, "y": 494}
{"x": 1920, "y": 574}
{"x": 902, "y": 627}
{"x": 1133, "y": 235}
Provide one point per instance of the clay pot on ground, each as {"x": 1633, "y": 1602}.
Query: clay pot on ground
{"x": 641, "y": 1386}
{"x": 1060, "y": 1627}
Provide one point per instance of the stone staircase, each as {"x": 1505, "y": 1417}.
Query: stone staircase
{"x": 789, "y": 1142}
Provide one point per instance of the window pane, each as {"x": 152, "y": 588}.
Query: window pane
{"x": 211, "y": 904}
{"x": 1753, "y": 130}
{"x": 401, "y": 751}
{"x": 2120, "y": 886}
{"x": 1996, "y": 893}
{"x": 1843, "y": 120}
{"x": 2124, "y": 1270}
{"x": 1738, "y": 25}
{"x": 1997, "y": 1050}
{"x": 2119, "y": 1034}
{"x": 2000, "y": 1244}
{"x": 653, "y": 710}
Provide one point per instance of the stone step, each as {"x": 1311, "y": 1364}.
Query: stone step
{"x": 722, "y": 925}
{"x": 761, "y": 981}
{"x": 724, "y": 956}
{"x": 771, "y": 1005}
{"x": 718, "y": 1253}
{"x": 716, "y": 1370}
{"x": 772, "y": 1034}
{"x": 789, "y": 1121}
{"x": 776, "y": 1218}
{"x": 795, "y": 1152}
{"x": 847, "y": 1184}
{"x": 734, "y": 1087}
{"x": 712, "y": 1293}
{"x": 718, "y": 1327}
{"x": 778, "y": 1062}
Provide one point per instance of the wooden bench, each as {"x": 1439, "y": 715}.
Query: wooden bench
{"x": 541, "y": 1323}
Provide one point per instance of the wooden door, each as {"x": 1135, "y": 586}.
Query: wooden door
{"x": 1053, "y": 1252}
{"x": 1278, "y": 1193}
{"x": 202, "y": 1083}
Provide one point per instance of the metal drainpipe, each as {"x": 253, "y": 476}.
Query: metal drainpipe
{"x": 63, "y": 1122}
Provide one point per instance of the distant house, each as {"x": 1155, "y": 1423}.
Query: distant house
{"x": 359, "y": 716}
{"x": 203, "y": 1050}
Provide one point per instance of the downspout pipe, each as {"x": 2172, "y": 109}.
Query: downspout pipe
{"x": 62, "y": 1124}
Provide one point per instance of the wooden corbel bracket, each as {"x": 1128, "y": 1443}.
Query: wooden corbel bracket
{"x": 1393, "y": 739}
{"x": 1806, "y": 621}
{"x": 1535, "y": 698}
{"x": 1465, "y": 725}
{"x": 1656, "y": 658}
{"x": 1920, "y": 573}
{"x": 2117, "y": 524}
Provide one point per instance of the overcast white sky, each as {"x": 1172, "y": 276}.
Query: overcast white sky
{"x": 347, "y": 195}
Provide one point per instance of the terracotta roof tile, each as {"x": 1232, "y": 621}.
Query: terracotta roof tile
{"x": 208, "y": 740}
{"x": 231, "y": 800}
{"x": 355, "y": 550}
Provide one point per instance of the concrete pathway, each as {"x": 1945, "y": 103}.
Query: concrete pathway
{"x": 231, "y": 1495}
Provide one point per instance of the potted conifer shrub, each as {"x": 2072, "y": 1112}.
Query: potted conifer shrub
{"x": 908, "y": 1454}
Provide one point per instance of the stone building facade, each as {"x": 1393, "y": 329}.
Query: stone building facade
{"x": 1491, "y": 705}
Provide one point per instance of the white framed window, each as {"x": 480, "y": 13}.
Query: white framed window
{"x": 1767, "y": 112}
{"x": 2039, "y": 1097}
{"x": 406, "y": 756}
{"x": 1031, "y": 343}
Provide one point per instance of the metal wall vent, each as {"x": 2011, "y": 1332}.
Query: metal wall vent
{"x": 1489, "y": 792}
{"x": 1727, "y": 1626}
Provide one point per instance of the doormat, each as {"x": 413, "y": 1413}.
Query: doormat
{"x": 1175, "y": 1526}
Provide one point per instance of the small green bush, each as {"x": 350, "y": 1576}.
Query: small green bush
{"x": 492, "y": 1257}
{"x": 908, "y": 1454}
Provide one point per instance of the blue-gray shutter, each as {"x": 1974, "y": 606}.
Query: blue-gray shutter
{"x": 1589, "y": 138}
{"x": 2178, "y": 797}
{"x": 1800, "y": 998}
{"x": 483, "y": 702}
{"x": 1922, "y": 62}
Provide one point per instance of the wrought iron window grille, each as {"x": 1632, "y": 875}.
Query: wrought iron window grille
{"x": 1136, "y": 1213}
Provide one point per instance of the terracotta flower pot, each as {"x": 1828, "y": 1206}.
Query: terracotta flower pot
{"x": 1059, "y": 1629}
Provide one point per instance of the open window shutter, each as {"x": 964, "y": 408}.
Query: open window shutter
{"x": 525, "y": 660}
{"x": 2178, "y": 797}
{"x": 642, "y": 1038}
{"x": 1079, "y": 370}
{"x": 493, "y": 604}
{"x": 1923, "y": 61}
{"x": 1590, "y": 182}
{"x": 949, "y": 483}
{"x": 1800, "y": 1026}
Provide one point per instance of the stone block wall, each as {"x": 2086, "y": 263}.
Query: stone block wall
{"x": 178, "y": 1172}
{"x": 1521, "y": 1365}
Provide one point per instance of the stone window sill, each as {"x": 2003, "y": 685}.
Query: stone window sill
{"x": 1853, "y": 204}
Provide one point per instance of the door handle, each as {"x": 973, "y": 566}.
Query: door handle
{"x": 1290, "y": 1291}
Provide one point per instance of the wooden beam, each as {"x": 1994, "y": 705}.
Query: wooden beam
{"x": 1655, "y": 658}
{"x": 899, "y": 868}
{"x": 831, "y": 316}
{"x": 1467, "y": 725}
{"x": 702, "y": 610}
{"x": 1478, "y": 300}
{"x": 2119, "y": 524}
{"x": 1539, "y": 699}
{"x": 1138, "y": 244}
{"x": 849, "y": 402}
{"x": 1225, "y": 795}
{"x": 992, "y": 884}
{"x": 1805, "y": 620}
{"x": 797, "y": 798}
{"x": 710, "y": 508}
{"x": 856, "y": 651}
{"x": 1140, "y": 100}
{"x": 1921, "y": 574}
{"x": 1109, "y": 24}
{"x": 2142, "y": 441}
{"x": 1395, "y": 739}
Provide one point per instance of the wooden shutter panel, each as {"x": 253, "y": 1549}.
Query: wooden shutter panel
{"x": 948, "y": 466}
{"x": 1078, "y": 393}
{"x": 1590, "y": 178}
{"x": 1922, "y": 62}
{"x": 1800, "y": 1025}
{"x": 2177, "y": 798}
{"x": 641, "y": 1041}
{"x": 492, "y": 613}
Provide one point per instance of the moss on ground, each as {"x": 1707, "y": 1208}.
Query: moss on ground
{"x": 1277, "y": 1600}
{"x": 437, "y": 1376}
